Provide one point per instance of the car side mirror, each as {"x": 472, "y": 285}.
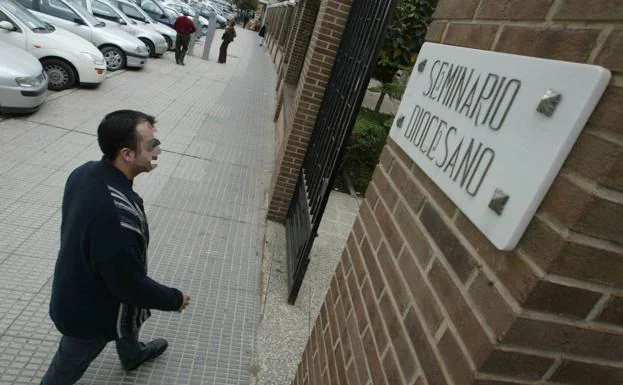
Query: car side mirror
{"x": 79, "y": 21}
{"x": 121, "y": 21}
{"x": 163, "y": 16}
{"x": 7, "y": 25}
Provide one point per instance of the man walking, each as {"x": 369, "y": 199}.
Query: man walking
{"x": 101, "y": 291}
{"x": 184, "y": 27}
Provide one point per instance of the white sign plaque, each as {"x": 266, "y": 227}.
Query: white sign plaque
{"x": 492, "y": 130}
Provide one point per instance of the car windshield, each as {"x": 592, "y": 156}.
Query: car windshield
{"x": 85, "y": 15}
{"x": 24, "y": 15}
{"x": 135, "y": 12}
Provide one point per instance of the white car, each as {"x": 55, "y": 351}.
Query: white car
{"x": 120, "y": 49}
{"x": 22, "y": 81}
{"x": 66, "y": 58}
{"x": 109, "y": 13}
{"x": 134, "y": 12}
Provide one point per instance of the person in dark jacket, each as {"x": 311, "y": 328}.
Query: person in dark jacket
{"x": 184, "y": 28}
{"x": 101, "y": 291}
{"x": 228, "y": 37}
{"x": 262, "y": 34}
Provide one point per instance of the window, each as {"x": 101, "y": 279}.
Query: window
{"x": 30, "y": 4}
{"x": 104, "y": 11}
{"x": 58, "y": 9}
{"x": 131, "y": 12}
{"x": 149, "y": 6}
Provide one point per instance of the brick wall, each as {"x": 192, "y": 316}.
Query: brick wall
{"x": 422, "y": 297}
{"x": 320, "y": 55}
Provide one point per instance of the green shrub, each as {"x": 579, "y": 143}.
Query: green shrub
{"x": 365, "y": 145}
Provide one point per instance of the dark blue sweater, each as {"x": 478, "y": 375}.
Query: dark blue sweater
{"x": 101, "y": 287}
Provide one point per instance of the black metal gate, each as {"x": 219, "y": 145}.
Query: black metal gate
{"x": 347, "y": 85}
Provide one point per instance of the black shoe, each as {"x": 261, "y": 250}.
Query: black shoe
{"x": 182, "y": 63}
{"x": 152, "y": 350}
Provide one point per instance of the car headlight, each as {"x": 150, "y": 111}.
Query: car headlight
{"x": 95, "y": 59}
{"x": 142, "y": 49}
{"x": 29, "y": 81}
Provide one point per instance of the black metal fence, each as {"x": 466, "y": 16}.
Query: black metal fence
{"x": 347, "y": 86}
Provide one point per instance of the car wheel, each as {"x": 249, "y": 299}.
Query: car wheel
{"x": 169, "y": 42}
{"x": 150, "y": 46}
{"x": 115, "y": 58}
{"x": 61, "y": 75}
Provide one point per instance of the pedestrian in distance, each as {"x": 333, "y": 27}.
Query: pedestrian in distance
{"x": 262, "y": 34}
{"x": 184, "y": 27}
{"x": 101, "y": 291}
{"x": 228, "y": 36}
{"x": 245, "y": 20}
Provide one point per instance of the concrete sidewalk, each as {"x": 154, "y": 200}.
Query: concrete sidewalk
{"x": 206, "y": 204}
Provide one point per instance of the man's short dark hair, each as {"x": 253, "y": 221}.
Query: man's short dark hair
{"x": 118, "y": 130}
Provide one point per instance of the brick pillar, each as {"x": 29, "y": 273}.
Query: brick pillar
{"x": 420, "y": 296}
{"x": 330, "y": 23}
{"x": 307, "y": 12}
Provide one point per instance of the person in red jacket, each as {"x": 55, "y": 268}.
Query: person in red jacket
{"x": 184, "y": 27}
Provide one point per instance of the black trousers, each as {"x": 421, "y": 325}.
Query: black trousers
{"x": 181, "y": 47}
{"x": 222, "y": 56}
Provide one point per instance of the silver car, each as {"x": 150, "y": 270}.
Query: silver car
{"x": 22, "y": 81}
{"x": 136, "y": 13}
{"x": 120, "y": 49}
{"x": 108, "y": 12}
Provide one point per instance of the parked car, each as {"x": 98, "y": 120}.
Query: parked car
{"x": 107, "y": 12}
{"x": 206, "y": 10}
{"x": 67, "y": 59}
{"x": 23, "y": 81}
{"x": 136, "y": 13}
{"x": 158, "y": 12}
{"x": 120, "y": 49}
{"x": 182, "y": 8}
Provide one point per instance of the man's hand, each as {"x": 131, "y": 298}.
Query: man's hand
{"x": 185, "y": 302}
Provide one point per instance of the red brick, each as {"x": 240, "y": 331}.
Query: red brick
{"x": 590, "y": 264}
{"x": 608, "y": 115}
{"x": 389, "y": 229}
{"x": 517, "y": 365}
{"x": 394, "y": 281}
{"x": 386, "y": 159}
{"x": 372, "y": 357}
{"x": 459, "y": 258}
{"x": 549, "y": 297}
{"x": 461, "y": 314}
{"x": 369, "y": 222}
{"x": 420, "y": 291}
{"x": 511, "y": 270}
{"x": 611, "y": 56}
{"x": 340, "y": 365}
{"x": 455, "y": 360}
{"x": 410, "y": 192}
{"x": 456, "y": 9}
{"x": 613, "y": 313}
{"x": 479, "y": 36}
{"x": 408, "y": 224}
{"x": 360, "y": 359}
{"x": 602, "y": 219}
{"x": 580, "y": 373}
{"x": 566, "y": 339}
{"x": 385, "y": 189}
{"x": 566, "y": 202}
{"x": 598, "y": 10}
{"x": 594, "y": 157}
{"x": 435, "y": 31}
{"x": 398, "y": 337}
{"x": 391, "y": 370}
{"x": 376, "y": 320}
{"x": 374, "y": 272}
{"x": 496, "y": 311}
{"x": 514, "y": 9}
{"x": 407, "y": 162}
{"x": 424, "y": 350}
{"x": 358, "y": 307}
{"x": 356, "y": 260}
{"x": 549, "y": 43}
{"x": 371, "y": 195}
{"x": 357, "y": 232}
{"x": 542, "y": 244}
